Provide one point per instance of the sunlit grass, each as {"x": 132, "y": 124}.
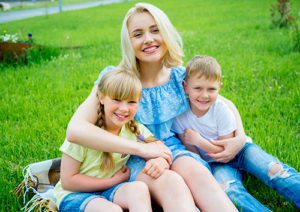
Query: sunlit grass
{"x": 260, "y": 75}
{"x": 42, "y": 4}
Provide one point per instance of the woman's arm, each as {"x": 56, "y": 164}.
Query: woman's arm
{"x": 82, "y": 130}
{"x": 231, "y": 145}
{"x": 72, "y": 181}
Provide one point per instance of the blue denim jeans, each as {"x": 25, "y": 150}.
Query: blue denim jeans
{"x": 253, "y": 160}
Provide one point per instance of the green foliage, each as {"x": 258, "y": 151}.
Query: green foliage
{"x": 295, "y": 35}
{"x": 280, "y": 13}
{"x": 260, "y": 75}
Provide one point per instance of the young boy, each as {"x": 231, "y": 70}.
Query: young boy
{"x": 208, "y": 118}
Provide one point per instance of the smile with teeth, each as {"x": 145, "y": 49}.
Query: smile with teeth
{"x": 120, "y": 116}
{"x": 150, "y": 50}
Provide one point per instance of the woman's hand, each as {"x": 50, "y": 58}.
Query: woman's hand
{"x": 156, "y": 149}
{"x": 122, "y": 175}
{"x": 231, "y": 146}
{"x": 156, "y": 167}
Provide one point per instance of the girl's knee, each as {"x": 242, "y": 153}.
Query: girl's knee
{"x": 172, "y": 177}
{"x": 115, "y": 208}
{"x": 169, "y": 181}
{"x": 173, "y": 182}
{"x": 138, "y": 188}
{"x": 99, "y": 204}
{"x": 139, "y": 185}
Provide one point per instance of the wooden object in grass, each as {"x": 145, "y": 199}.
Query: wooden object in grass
{"x": 15, "y": 51}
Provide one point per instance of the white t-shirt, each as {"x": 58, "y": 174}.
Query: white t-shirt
{"x": 218, "y": 121}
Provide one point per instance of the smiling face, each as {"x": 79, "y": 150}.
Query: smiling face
{"x": 202, "y": 93}
{"x": 145, "y": 37}
{"x": 118, "y": 112}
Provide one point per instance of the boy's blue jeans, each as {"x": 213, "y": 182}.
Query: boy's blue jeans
{"x": 253, "y": 160}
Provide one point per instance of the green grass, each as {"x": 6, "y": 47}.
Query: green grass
{"x": 261, "y": 76}
{"x": 44, "y": 4}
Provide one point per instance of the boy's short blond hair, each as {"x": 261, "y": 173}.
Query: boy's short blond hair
{"x": 203, "y": 66}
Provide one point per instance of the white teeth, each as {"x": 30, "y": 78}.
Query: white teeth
{"x": 150, "y": 49}
{"x": 202, "y": 100}
{"x": 121, "y": 116}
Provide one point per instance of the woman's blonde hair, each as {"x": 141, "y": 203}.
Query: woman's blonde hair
{"x": 122, "y": 85}
{"x": 171, "y": 38}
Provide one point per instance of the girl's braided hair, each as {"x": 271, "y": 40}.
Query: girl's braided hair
{"x": 123, "y": 85}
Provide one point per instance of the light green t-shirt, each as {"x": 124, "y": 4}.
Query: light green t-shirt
{"x": 91, "y": 159}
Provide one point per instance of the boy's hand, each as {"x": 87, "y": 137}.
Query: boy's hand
{"x": 156, "y": 167}
{"x": 191, "y": 136}
{"x": 122, "y": 175}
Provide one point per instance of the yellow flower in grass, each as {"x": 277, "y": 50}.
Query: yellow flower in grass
{"x": 26, "y": 36}
{"x": 4, "y": 31}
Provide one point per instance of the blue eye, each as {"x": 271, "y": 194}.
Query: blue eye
{"x": 155, "y": 30}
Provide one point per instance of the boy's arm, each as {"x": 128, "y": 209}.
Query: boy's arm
{"x": 192, "y": 137}
{"x": 72, "y": 181}
{"x": 189, "y": 147}
{"x": 230, "y": 135}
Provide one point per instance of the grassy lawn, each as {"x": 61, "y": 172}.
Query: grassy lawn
{"x": 44, "y": 4}
{"x": 260, "y": 75}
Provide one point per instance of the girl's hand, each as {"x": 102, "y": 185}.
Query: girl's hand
{"x": 231, "y": 146}
{"x": 156, "y": 149}
{"x": 156, "y": 167}
{"x": 190, "y": 137}
{"x": 122, "y": 175}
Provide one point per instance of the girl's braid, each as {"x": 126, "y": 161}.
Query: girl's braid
{"x": 107, "y": 158}
{"x": 135, "y": 129}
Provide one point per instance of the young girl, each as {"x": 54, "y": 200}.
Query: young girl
{"x": 152, "y": 48}
{"x": 91, "y": 180}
